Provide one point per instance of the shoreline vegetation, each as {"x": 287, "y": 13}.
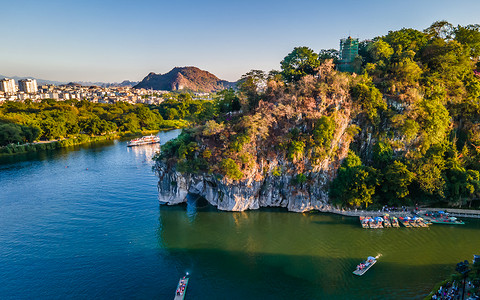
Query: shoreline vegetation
{"x": 13, "y": 149}
{"x": 35, "y": 126}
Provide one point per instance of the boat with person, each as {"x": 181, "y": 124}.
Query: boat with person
{"x": 364, "y": 222}
{"x": 442, "y": 217}
{"x": 181, "y": 288}
{"x": 413, "y": 221}
{"x": 394, "y": 222}
{"x": 405, "y": 222}
{"x": 378, "y": 222}
{"x": 421, "y": 222}
{"x": 371, "y": 222}
{"x": 364, "y": 266}
{"x": 386, "y": 221}
{"x": 144, "y": 140}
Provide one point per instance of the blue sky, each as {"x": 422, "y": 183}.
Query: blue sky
{"x": 118, "y": 40}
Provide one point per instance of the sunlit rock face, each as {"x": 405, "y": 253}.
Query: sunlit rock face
{"x": 271, "y": 191}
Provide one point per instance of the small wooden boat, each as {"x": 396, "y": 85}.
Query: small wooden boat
{"x": 181, "y": 288}
{"x": 404, "y": 222}
{"x": 422, "y": 223}
{"x": 371, "y": 222}
{"x": 363, "y": 267}
{"x": 450, "y": 220}
{"x": 442, "y": 218}
{"x": 379, "y": 224}
{"x": 364, "y": 222}
{"x": 413, "y": 223}
{"x": 394, "y": 222}
{"x": 386, "y": 222}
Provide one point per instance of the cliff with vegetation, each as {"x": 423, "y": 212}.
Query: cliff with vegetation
{"x": 403, "y": 129}
{"x": 185, "y": 78}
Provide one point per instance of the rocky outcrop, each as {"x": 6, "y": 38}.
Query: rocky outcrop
{"x": 272, "y": 191}
{"x": 282, "y": 152}
{"x": 262, "y": 187}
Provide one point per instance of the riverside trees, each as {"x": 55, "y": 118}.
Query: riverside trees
{"x": 26, "y": 122}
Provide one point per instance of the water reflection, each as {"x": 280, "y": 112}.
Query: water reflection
{"x": 144, "y": 153}
{"x": 192, "y": 206}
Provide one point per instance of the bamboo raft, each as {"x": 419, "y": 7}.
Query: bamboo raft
{"x": 364, "y": 222}
{"x": 365, "y": 266}
{"x": 181, "y": 288}
{"x": 394, "y": 222}
{"x": 404, "y": 222}
{"x": 378, "y": 224}
{"x": 386, "y": 222}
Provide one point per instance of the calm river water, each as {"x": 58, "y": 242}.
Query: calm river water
{"x": 85, "y": 223}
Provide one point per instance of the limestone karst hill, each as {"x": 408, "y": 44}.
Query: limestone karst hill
{"x": 184, "y": 78}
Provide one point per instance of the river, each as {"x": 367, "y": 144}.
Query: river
{"x": 85, "y": 222}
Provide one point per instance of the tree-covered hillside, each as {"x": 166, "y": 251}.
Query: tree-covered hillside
{"x": 403, "y": 129}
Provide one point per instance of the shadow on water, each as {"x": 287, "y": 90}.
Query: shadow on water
{"x": 275, "y": 255}
{"x": 221, "y": 274}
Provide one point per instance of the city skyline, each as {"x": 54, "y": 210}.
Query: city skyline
{"x": 112, "y": 41}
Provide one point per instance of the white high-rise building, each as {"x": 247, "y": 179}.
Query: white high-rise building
{"x": 28, "y": 86}
{"x": 8, "y": 86}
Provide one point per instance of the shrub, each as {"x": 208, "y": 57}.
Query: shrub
{"x": 231, "y": 169}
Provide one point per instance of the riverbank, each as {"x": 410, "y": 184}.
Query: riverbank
{"x": 80, "y": 139}
{"x": 463, "y": 213}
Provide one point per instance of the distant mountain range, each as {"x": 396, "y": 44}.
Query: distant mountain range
{"x": 185, "y": 78}
{"x": 179, "y": 78}
{"x": 84, "y": 83}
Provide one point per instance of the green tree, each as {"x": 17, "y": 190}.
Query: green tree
{"x": 296, "y": 150}
{"x": 298, "y": 63}
{"x": 231, "y": 169}
{"x": 355, "y": 184}
{"x": 329, "y": 54}
{"x": 397, "y": 179}
{"x": 227, "y": 101}
{"x": 323, "y": 131}
{"x": 130, "y": 123}
{"x": 406, "y": 39}
{"x": 380, "y": 50}
{"x": 10, "y": 133}
{"x": 382, "y": 154}
{"x": 440, "y": 30}
{"x": 470, "y": 37}
{"x": 370, "y": 98}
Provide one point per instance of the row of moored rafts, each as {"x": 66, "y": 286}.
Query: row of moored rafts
{"x": 391, "y": 221}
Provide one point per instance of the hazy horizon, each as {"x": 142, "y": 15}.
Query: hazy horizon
{"x": 113, "y": 41}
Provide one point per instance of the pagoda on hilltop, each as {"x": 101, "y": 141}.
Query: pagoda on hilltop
{"x": 348, "y": 52}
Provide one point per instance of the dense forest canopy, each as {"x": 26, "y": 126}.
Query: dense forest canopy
{"x": 405, "y": 126}
{"x": 22, "y": 122}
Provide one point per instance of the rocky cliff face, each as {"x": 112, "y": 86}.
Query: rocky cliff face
{"x": 263, "y": 186}
{"x": 272, "y": 191}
